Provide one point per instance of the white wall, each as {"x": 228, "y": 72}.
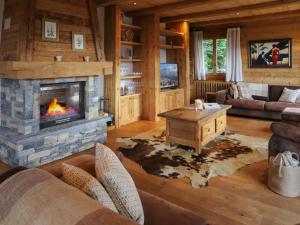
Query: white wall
{"x": 1, "y": 16}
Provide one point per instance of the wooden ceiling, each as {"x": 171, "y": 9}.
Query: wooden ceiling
{"x": 209, "y": 12}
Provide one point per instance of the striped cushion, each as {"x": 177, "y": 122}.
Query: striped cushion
{"x": 118, "y": 183}
{"x": 85, "y": 182}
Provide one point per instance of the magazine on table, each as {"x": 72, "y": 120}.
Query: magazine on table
{"x": 211, "y": 106}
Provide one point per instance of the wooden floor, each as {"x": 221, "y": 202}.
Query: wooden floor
{"x": 239, "y": 199}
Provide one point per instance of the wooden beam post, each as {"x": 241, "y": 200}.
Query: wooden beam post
{"x": 151, "y": 55}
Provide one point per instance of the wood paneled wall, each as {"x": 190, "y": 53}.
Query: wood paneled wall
{"x": 72, "y": 16}
{"x": 24, "y": 40}
{"x": 276, "y": 29}
{"x": 261, "y": 31}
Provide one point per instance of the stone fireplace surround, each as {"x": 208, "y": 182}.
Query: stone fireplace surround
{"x": 22, "y": 142}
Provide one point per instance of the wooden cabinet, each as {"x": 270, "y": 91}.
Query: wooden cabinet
{"x": 171, "y": 99}
{"x": 130, "y": 109}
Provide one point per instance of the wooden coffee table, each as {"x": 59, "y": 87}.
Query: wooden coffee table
{"x": 192, "y": 128}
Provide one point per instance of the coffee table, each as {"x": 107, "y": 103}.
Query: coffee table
{"x": 192, "y": 128}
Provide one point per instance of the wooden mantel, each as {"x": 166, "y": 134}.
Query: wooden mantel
{"x": 43, "y": 70}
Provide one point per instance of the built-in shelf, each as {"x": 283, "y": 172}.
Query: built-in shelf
{"x": 130, "y": 26}
{"x": 165, "y": 46}
{"x": 131, "y": 43}
{"x": 170, "y": 33}
{"x": 130, "y": 77}
{"x": 131, "y": 60}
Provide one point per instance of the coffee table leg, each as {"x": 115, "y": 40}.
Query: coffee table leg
{"x": 198, "y": 149}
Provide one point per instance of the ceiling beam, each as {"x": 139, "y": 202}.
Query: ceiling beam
{"x": 295, "y": 15}
{"x": 109, "y": 2}
{"x": 232, "y": 12}
{"x": 172, "y": 6}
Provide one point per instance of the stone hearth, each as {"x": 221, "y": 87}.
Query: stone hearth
{"x": 22, "y": 142}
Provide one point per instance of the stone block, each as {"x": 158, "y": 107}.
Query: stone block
{"x": 39, "y": 155}
{"x": 51, "y": 140}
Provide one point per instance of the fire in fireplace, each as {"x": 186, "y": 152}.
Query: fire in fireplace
{"x": 61, "y": 103}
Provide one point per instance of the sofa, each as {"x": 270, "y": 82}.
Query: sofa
{"x": 286, "y": 134}
{"x": 264, "y": 107}
{"x": 54, "y": 202}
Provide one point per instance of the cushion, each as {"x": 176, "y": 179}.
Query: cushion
{"x": 247, "y": 104}
{"x": 298, "y": 99}
{"x": 118, "y": 183}
{"x": 291, "y": 114}
{"x": 275, "y": 91}
{"x": 279, "y": 106}
{"x": 289, "y": 95}
{"x": 85, "y": 182}
{"x": 233, "y": 91}
{"x": 34, "y": 196}
{"x": 243, "y": 91}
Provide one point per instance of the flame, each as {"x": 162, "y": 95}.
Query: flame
{"x": 55, "y": 108}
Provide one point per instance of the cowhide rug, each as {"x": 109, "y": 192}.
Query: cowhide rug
{"x": 221, "y": 157}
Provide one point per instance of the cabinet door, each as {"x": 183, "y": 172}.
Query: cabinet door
{"x": 179, "y": 99}
{"x": 125, "y": 111}
{"x": 136, "y": 107}
{"x": 170, "y": 100}
{"x": 162, "y": 106}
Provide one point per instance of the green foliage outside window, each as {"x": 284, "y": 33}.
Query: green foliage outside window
{"x": 221, "y": 50}
{"x": 208, "y": 55}
{"x": 221, "y": 55}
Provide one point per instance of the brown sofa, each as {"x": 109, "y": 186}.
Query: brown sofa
{"x": 286, "y": 134}
{"x": 259, "y": 106}
{"x": 157, "y": 211}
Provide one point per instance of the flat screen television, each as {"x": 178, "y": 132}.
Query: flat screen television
{"x": 168, "y": 75}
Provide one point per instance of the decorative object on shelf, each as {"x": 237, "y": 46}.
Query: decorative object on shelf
{"x": 129, "y": 35}
{"x": 86, "y": 58}
{"x": 129, "y": 53}
{"x": 58, "y": 58}
{"x": 123, "y": 35}
{"x": 270, "y": 53}
{"x": 50, "y": 30}
{"x": 198, "y": 104}
{"x": 78, "y": 41}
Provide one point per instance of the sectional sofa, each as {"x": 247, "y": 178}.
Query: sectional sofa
{"x": 265, "y": 107}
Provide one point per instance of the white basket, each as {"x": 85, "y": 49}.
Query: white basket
{"x": 282, "y": 179}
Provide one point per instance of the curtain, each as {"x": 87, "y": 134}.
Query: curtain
{"x": 234, "y": 58}
{"x": 199, "y": 55}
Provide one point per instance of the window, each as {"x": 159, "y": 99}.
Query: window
{"x": 215, "y": 55}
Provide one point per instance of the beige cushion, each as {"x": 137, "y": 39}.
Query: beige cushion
{"x": 243, "y": 91}
{"x": 233, "y": 91}
{"x": 289, "y": 95}
{"x": 118, "y": 183}
{"x": 85, "y": 182}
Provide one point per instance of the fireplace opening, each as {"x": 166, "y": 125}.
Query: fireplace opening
{"x": 61, "y": 103}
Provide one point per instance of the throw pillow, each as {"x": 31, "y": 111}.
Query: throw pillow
{"x": 85, "y": 182}
{"x": 298, "y": 99}
{"x": 118, "y": 183}
{"x": 233, "y": 91}
{"x": 289, "y": 95}
{"x": 243, "y": 91}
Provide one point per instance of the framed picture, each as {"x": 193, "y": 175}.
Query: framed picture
{"x": 270, "y": 53}
{"x": 50, "y": 30}
{"x": 78, "y": 41}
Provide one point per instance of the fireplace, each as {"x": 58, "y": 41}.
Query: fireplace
{"x": 61, "y": 103}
